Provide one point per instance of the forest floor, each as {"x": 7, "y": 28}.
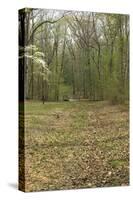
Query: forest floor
{"x": 76, "y": 145}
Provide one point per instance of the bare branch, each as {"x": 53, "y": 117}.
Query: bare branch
{"x": 40, "y": 24}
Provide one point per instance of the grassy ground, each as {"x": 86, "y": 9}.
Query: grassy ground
{"x": 76, "y": 145}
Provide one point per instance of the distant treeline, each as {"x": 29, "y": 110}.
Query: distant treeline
{"x": 69, "y": 54}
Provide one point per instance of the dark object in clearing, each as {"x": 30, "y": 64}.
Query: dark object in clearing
{"x": 65, "y": 98}
{"x": 43, "y": 99}
{"x": 57, "y": 116}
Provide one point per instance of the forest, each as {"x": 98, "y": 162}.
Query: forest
{"x": 73, "y": 99}
{"x": 74, "y": 55}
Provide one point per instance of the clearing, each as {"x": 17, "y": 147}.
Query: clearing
{"x": 76, "y": 145}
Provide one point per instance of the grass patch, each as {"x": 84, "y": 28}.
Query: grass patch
{"x": 118, "y": 163}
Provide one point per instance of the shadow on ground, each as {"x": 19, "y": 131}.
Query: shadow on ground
{"x": 13, "y": 185}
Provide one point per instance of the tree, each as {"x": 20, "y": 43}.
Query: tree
{"x": 74, "y": 54}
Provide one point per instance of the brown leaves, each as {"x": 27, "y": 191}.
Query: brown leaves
{"x": 86, "y": 146}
